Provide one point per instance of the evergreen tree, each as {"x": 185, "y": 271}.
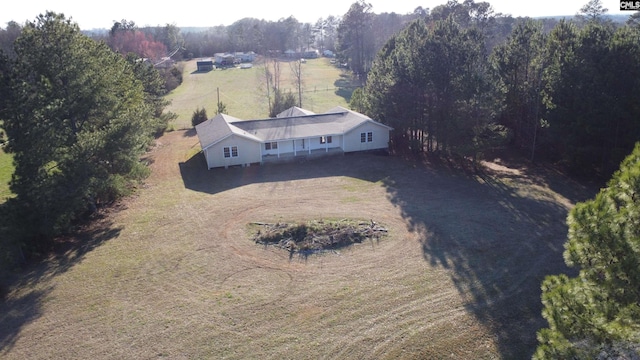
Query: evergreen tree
{"x": 281, "y": 102}
{"x": 597, "y": 313}
{"x": 591, "y": 96}
{"x": 154, "y": 91}
{"x": 355, "y": 37}
{"x": 519, "y": 64}
{"x": 431, "y": 84}
{"x": 78, "y": 118}
{"x": 199, "y": 116}
{"x": 222, "y": 108}
{"x": 593, "y": 11}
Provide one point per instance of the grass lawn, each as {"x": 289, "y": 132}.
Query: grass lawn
{"x": 6, "y": 169}
{"x": 241, "y": 90}
{"x": 172, "y": 272}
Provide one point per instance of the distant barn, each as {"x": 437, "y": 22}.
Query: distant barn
{"x": 205, "y": 65}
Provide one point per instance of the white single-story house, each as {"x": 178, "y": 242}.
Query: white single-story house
{"x": 245, "y": 56}
{"x": 228, "y": 141}
{"x": 228, "y": 59}
{"x": 224, "y": 59}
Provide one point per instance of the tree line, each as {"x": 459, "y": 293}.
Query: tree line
{"x": 569, "y": 95}
{"x": 78, "y": 117}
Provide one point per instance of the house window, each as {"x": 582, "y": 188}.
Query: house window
{"x": 366, "y": 137}
{"x": 325, "y": 139}
{"x": 271, "y": 146}
{"x": 230, "y": 151}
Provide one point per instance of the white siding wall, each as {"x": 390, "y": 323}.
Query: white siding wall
{"x": 285, "y": 146}
{"x": 380, "y": 138}
{"x": 272, "y": 151}
{"x": 249, "y": 151}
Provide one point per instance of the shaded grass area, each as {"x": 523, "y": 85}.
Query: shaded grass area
{"x": 26, "y": 291}
{"x": 243, "y": 90}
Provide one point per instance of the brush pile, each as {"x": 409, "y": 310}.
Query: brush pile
{"x": 317, "y": 235}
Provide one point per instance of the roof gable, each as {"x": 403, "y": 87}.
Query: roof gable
{"x": 218, "y": 128}
{"x": 294, "y": 111}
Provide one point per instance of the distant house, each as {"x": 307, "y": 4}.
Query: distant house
{"x": 224, "y": 59}
{"x": 227, "y": 59}
{"x": 310, "y": 54}
{"x": 245, "y": 56}
{"x": 228, "y": 141}
{"x": 290, "y": 54}
{"x": 327, "y": 53}
{"x": 205, "y": 64}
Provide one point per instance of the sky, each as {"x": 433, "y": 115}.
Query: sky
{"x": 102, "y": 14}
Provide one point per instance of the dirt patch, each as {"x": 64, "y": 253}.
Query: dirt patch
{"x": 317, "y": 236}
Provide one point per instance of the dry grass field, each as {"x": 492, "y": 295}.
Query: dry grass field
{"x": 172, "y": 272}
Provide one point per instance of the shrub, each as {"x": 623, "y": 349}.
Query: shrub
{"x": 199, "y": 116}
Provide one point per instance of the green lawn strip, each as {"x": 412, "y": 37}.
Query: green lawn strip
{"x": 6, "y": 170}
{"x": 243, "y": 93}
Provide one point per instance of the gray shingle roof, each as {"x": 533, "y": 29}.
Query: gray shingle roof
{"x": 336, "y": 121}
{"x": 218, "y": 128}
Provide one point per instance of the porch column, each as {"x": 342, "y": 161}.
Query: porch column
{"x": 309, "y": 145}
{"x": 278, "y": 149}
{"x": 294, "y": 148}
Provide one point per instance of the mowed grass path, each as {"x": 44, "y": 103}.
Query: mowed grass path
{"x": 243, "y": 90}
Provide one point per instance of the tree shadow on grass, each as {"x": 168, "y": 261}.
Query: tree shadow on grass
{"x": 25, "y": 292}
{"x": 195, "y": 175}
{"x": 345, "y": 86}
{"x": 499, "y": 239}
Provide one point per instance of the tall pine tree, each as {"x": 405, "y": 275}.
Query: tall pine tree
{"x": 597, "y": 313}
{"x": 77, "y": 118}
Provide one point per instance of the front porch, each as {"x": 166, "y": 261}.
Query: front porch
{"x": 301, "y": 155}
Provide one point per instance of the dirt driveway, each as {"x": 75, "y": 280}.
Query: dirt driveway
{"x": 458, "y": 276}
